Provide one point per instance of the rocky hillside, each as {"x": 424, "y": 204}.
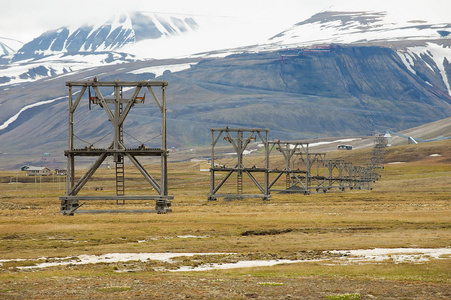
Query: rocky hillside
{"x": 331, "y": 83}
{"x": 327, "y": 91}
{"x": 331, "y": 91}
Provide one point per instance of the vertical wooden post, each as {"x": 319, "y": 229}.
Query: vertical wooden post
{"x": 115, "y": 123}
{"x": 70, "y": 161}
{"x": 164, "y": 148}
{"x": 212, "y": 170}
{"x": 266, "y": 163}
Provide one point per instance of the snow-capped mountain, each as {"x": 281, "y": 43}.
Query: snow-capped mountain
{"x": 422, "y": 45}
{"x": 112, "y": 35}
{"x": 337, "y": 72}
{"x": 9, "y": 46}
{"x": 66, "y": 50}
{"x": 358, "y": 27}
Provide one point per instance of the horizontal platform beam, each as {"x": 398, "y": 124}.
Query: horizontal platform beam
{"x": 291, "y": 191}
{"x": 116, "y": 211}
{"x": 239, "y": 169}
{"x": 134, "y": 152}
{"x": 96, "y": 100}
{"x": 286, "y": 143}
{"x": 114, "y": 197}
{"x": 288, "y": 171}
{"x": 240, "y": 196}
{"x": 116, "y": 83}
{"x": 240, "y": 129}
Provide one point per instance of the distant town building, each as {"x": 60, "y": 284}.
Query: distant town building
{"x": 60, "y": 172}
{"x": 344, "y": 147}
{"x": 388, "y": 137}
{"x": 36, "y": 171}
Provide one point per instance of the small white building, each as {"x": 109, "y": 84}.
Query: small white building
{"x": 387, "y": 138}
{"x": 36, "y": 171}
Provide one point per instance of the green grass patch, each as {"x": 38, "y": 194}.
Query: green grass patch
{"x": 344, "y": 297}
{"x": 115, "y": 289}
{"x": 270, "y": 283}
{"x": 432, "y": 271}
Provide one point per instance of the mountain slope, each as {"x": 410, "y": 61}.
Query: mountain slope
{"x": 111, "y": 35}
{"x": 66, "y": 50}
{"x": 344, "y": 91}
{"x": 305, "y": 88}
{"x": 341, "y": 92}
{"x": 358, "y": 27}
{"x": 429, "y": 60}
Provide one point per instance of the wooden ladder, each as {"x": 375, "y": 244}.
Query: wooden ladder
{"x": 239, "y": 183}
{"x": 288, "y": 181}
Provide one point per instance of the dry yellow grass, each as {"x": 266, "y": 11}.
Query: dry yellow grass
{"x": 408, "y": 207}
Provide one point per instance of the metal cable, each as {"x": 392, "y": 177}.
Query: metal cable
{"x": 152, "y": 138}
{"x": 133, "y": 137}
{"x": 101, "y": 138}
{"x": 82, "y": 140}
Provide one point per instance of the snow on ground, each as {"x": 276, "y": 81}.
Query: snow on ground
{"x": 53, "y": 65}
{"x": 408, "y": 60}
{"x": 158, "y": 70}
{"x": 111, "y": 258}
{"x": 19, "y": 69}
{"x": 348, "y": 25}
{"x": 440, "y": 55}
{"x": 14, "y": 118}
{"x": 396, "y": 255}
{"x": 240, "y": 264}
{"x": 337, "y": 141}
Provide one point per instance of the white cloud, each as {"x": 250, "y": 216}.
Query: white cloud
{"x": 26, "y": 19}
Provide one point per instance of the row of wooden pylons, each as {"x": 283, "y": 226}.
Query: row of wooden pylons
{"x": 302, "y": 171}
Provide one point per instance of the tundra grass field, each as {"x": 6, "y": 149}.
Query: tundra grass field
{"x": 409, "y": 208}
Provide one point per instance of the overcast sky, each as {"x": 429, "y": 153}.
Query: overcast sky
{"x": 26, "y": 19}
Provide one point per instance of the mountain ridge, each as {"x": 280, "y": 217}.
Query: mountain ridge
{"x": 301, "y": 91}
{"x": 358, "y": 27}
{"x": 111, "y": 35}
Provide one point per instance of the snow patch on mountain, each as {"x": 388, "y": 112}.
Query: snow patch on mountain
{"x": 440, "y": 55}
{"x": 68, "y": 49}
{"x": 14, "y": 118}
{"x": 159, "y": 70}
{"x": 357, "y": 27}
{"x": 111, "y": 35}
{"x": 60, "y": 63}
{"x": 9, "y": 46}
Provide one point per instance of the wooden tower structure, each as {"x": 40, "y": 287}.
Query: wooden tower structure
{"x": 240, "y": 138}
{"x": 296, "y": 180}
{"x": 116, "y": 109}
